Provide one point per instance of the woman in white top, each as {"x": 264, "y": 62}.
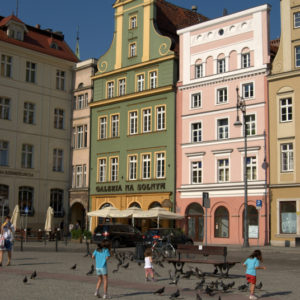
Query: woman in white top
{"x": 148, "y": 264}
{"x": 7, "y": 230}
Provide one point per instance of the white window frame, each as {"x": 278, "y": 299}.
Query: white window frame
{"x": 133, "y": 22}
{"x": 122, "y": 86}
{"x": 222, "y": 95}
{"x": 146, "y": 117}
{"x": 199, "y": 70}
{"x": 30, "y": 72}
{"x": 251, "y": 168}
{"x": 221, "y": 65}
{"x": 132, "y": 50}
{"x": 133, "y": 122}
{"x": 115, "y": 130}
{"x": 146, "y": 166}
{"x": 60, "y": 80}
{"x": 248, "y": 90}
{"x": 29, "y": 113}
{"x": 160, "y": 117}
{"x": 297, "y": 19}
{"x": 222, "y": 130}
{"x": 102, "y": 169}
{"x": 196, "y": 100}
{"x": 251, "y": 124}
{"x": 80, "y": 101}
{"x": 286, "y": 109}
{"x": 196, "y": 172}
{"x": 114, "y": 168}
{"x": 110, "y": 89}
{"x": 132, "y": 167}
{"x": 160, "y": 165}
{"x": 196, "y": 132}
{"x": 6, "y": 65}
{"x": 140, "y": 82}
{"x": 287, "y": 157}
{"x": 79, "y": 137}
{"x": 223, "y": 170}
{"x": 79, "y": 176}
{"x": 4, "y": 108}
{"x": 297, "y": 56}
{"x": 153, "y": 79}
{"x": 245, "y": 60}
{"x": 84, "y": 183}
{"x": 103, "y": 127}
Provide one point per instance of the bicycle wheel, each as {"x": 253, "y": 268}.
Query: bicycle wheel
{"x": 168, "y": 251}
{"x": 156, "y": 254}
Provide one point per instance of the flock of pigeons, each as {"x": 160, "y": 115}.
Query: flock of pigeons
{"x": 209, "y": 288}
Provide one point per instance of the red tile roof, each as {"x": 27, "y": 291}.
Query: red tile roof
{"x": 170, "y": 18}
{"x": 38, "y": 40}
{"x": 274, "y": 45}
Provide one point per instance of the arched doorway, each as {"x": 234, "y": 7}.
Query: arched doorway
{"x": 221, "y": 222}
{"x": 78, "y": 215}
{"x": 252, "y": 220}
{"x": 195, "y": 221}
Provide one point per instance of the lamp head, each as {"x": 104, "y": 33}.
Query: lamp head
{"x": 237, "y": 123}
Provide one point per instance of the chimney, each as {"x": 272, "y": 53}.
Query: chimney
{"x": 194, "y": 8}
{"x": 38, "y": 26}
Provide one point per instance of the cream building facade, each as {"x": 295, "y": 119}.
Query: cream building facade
{"x": 284, "y": 93}
{"x": 36, "y": 77}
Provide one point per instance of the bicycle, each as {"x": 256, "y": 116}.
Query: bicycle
{"x": 163, "y": 248}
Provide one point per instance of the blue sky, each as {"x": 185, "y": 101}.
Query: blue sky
{"x": 96, "y": 20}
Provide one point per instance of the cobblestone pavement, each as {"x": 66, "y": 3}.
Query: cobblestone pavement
{"x": 55, "y": 279}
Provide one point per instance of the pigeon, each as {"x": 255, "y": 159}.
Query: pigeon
{"x": 198, "y": 297}
{"x": 216, "y": 270}
{"x": 159, "y": 291}
{"x": 170, "y": 275}
{"x": 188, "y": 274}
{"x": 208, "y": 291}
{"x": 225, "y": 287}
{"x": 91, "y": 271}
{"x": 25, "y": 279}
{"x": 200, "y": 284}
{"x": 231, "y": 285}
{"x": 126, "y": 266}
{"x": 259, "y": 286}
{"x": 175, "y": 295}
{"x": 175, "y": 280}
{"x": 139, "y": 263}
{"x": 243, "y": 287}
{"x": 33, "y": 275}
{"x": 73, "y": 267}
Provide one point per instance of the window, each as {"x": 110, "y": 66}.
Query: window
{"x": 248, "y": 90}
{"x": 103, "y": 128}
{"x": 222, "y": 95}
{"x": 221, "y": 65}
{"x": 160, "y": 118}
{"x": 3, "y": 153}
{"x": 73, "y": 137}
{"x": 122, "y": 87}
{"x": 4, "y": 108}
{"x": 102, "y": 169}
{"x": 140, "y": 82}
{"x": 6, "y": 66}
{"x": 221, "y": 222}
{"x": 288, "y": 217}
{"x": 196, "y": 100}
{"x": 85, "y": 135}
{"x": 133, "y": 122}
{"x": 27, "y": 156}
{"x": 4, "y": 195}
{"x": 146, "y": 166}
{"x": 251, "y": 168}
{"x": 26, "y": 195}
{"x": 56, "y": 202}
{"x": 133, "y": 22}
{"x": 58, "y": 160}
{"x": 160, "y": 165}
{"x": 78, "y": 180}
{"x": 147, "y": 120}
{"x": 222, "y": 129}
{"x": 59, "y": 115}
{"x": 29, "y": 113}
{"x": 223, "y": 170}
{"x": 84, "y": 183}
{"x": 132, "y": 50}
{"x": 132, "y": 167}
{"x": 79, "y": 137}
{"x": 110, "y": 89}
{"x": 196, "y": 132}
{"x": 286, "y": 110}
{"x": 297, "y": 50}
{"x": 250, "y": 125}
{"x": 199, "y": 71}
{"x": 287, "y": 157}
{"x": 114, "y": 166}
{"x": 297, "y": 19}
{"x": 153, "y": 80}
{"x": 114, "y": 126}
{"x": 245, "y": 60}
{"x": 60, "y": 80}
{"x": 30, "y": 71}
{"x": 196, "y": 172}
{"x": 80, "y": 102}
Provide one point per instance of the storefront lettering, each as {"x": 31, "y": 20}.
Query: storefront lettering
{"x": 16, "y": 173}
{"x": 131, "y": 187}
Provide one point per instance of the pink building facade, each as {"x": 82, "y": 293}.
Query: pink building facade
{"x": 216, "y": 58}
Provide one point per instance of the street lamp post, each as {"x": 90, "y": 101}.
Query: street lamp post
{"x": 241, "y": 105}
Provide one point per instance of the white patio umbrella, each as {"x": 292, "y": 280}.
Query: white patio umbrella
{"x": 106, "y": 212}
{"x": 132, "y": 212}
{"x": 15, "y": 216}
{"x": 159, "y": 213}
{"x": 49, "y": 219}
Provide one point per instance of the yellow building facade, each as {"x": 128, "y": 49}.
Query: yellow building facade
{"x": 284, "y": 91}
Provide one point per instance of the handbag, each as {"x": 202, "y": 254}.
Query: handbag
{"x": 2, "y": 241}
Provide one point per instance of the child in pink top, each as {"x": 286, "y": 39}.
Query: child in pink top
{"x": 148, "y": 264}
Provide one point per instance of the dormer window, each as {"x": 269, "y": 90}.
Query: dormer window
{"x": 15, "y": 28}
{"x": 54, "y": 46}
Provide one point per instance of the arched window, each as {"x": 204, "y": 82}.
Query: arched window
{"x": 252, "y": 217}
{"x": 105, "y": 205}
{"x": 221, "y": 222}
{"x": 134, "y": 204}
{"x": 195, "y": 221}
{"x": 56, "y": 202}
{"x": 26, "y": 196}
{"x": 154, "y": 204}
{"x": 4, "y": 193}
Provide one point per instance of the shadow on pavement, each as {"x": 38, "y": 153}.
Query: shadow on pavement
{"x": 275, "y": 294}
{"x": 132, "y": 294}
{"x": 36, "y": 264}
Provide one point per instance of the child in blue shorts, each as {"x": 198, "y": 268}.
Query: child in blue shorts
{"x": 101, "y": 255}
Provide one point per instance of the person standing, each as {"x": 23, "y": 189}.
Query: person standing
{"x": 148, "y": 264}
{"x": 252, "y": 264}
{"x": 7, "y": 230}
{"x": 101, "y": 255}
